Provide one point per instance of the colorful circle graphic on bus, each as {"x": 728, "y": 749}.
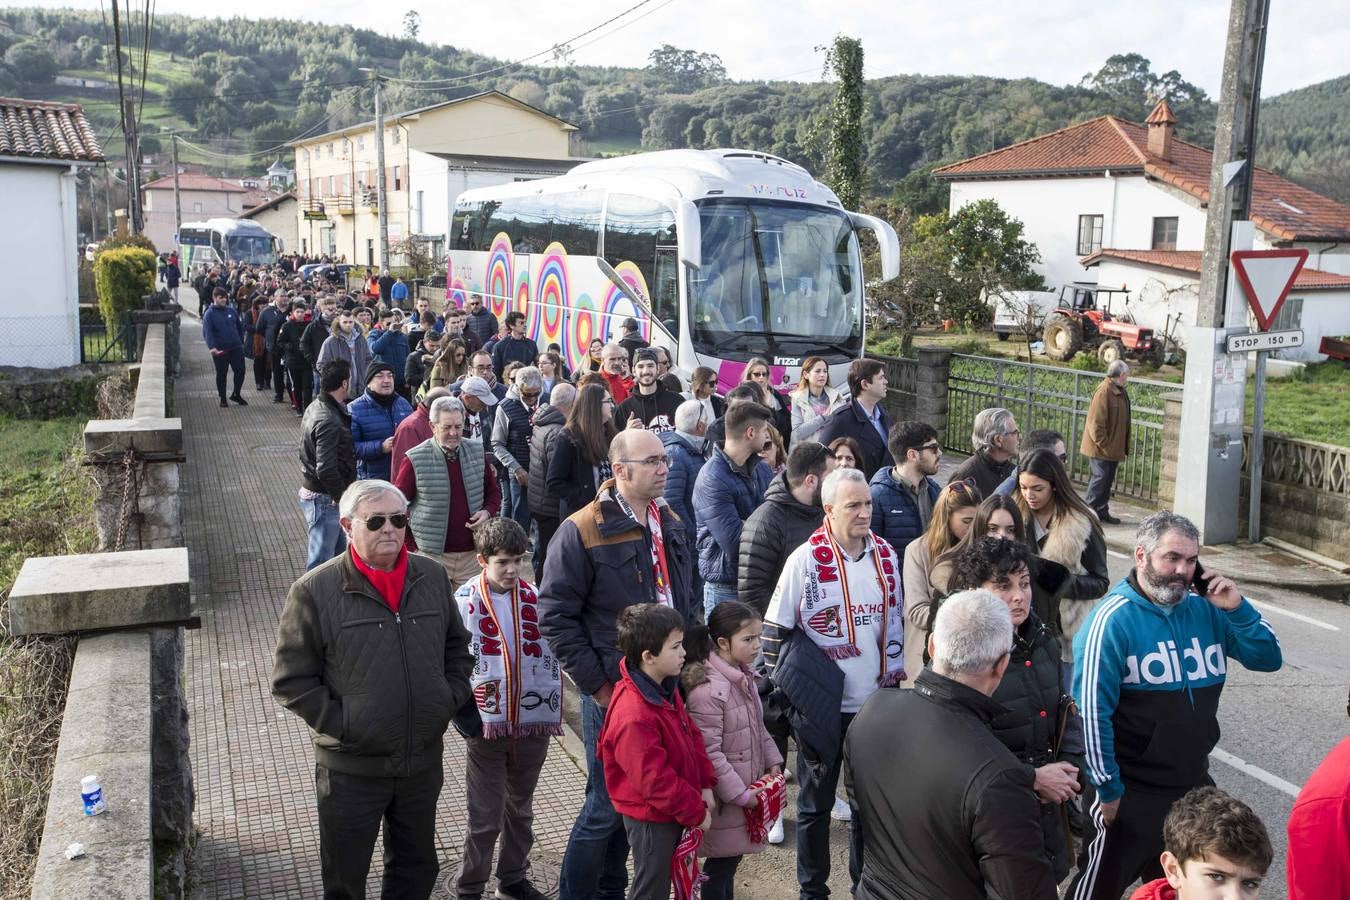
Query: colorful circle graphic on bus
{"x": 618, "y": 307}
{"x": 581, "y": 332}
{"x": 459, "y": 294}
{"x": 499, "y": 282}
{"x": 523, "y": 294}
{"x": 551, "y": 295}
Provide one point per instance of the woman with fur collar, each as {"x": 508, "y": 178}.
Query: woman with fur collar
{"x": 1062, "y": 528}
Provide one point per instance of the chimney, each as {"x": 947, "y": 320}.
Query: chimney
{"x": 1161, "y": 126}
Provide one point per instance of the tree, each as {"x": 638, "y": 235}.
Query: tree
{"x": 531, "y": 92}
{"x": 685, "y": 71}
{"x": 31, "y": 62}
{"x": 416, "y": 256}
{"x": 988, "y": 256}
{"x": 412, "y": 24}
{"x": 186, "y": 97}
{"x": 921, "y": 193}
{"x": 844, "y": 170}
{"x": 907, "y": 302}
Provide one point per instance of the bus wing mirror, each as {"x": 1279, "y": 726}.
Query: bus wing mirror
{"x": 628, "y": 290}
{"x": 886, "y": 240}
{"x": 691, "y": 237}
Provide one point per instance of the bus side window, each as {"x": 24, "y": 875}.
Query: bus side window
{"x": 642, "y": 231}
{"x": 576, "y": 222}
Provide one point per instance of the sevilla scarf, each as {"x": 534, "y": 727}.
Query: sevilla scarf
{"x": 760, "y": 817}
{"x": 660, "y": 569}
{"x": 516, "y": 680}
{"x": 829, "y": 604}
{"x": 685, "y": 877}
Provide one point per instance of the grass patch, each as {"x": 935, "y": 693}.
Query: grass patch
{"x": 1313, "y": 406}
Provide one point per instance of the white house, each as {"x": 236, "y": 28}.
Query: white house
{"x": 1121, "y": 203}
{"x": 42, "y": 147}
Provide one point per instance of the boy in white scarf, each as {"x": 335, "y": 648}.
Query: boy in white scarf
{"x": 515, "y": 710}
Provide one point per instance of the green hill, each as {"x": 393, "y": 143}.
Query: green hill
{"x": 239, "y": 86}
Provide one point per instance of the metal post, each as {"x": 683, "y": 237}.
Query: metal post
{"x": 177, "y": 204}
{"x": 381, "y": 195}
{"x": 1257, "y": 456}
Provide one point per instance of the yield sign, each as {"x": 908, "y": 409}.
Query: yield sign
{"x": 1266, "y": 277}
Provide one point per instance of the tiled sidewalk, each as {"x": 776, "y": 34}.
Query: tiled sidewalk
{"x": 252, "y": 761}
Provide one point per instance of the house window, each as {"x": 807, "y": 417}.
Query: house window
{"x": 197, "y": 206}
{"x": 1290, "y": 316}
{"x": 332, "y": 186}
{"x": 394, "y": 136}
{"x": 304, "y": 155}
{"x": 370, "y": 251}
{"x": 360, "y": 142}
{"x": 398, "y": 180}
{"x": 1164, "y": 232}
{"x": 1089, "y": 234}
{"x": 330, "y": 149}
{"x": 420, "y": 228}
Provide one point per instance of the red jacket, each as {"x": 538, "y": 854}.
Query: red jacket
{"x": 620, "y": 386}
{"x": 652, "y": 754}
{"x": 1317, "y": 864}
{"x": 1155, "y": 890}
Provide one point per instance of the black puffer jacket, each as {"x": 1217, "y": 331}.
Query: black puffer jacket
{"x": 311, "y": 342}
{"x": 290, "y": 345}
{"x": 1035, "y": 702}
{"x": 547, "y": 423}
{"x": 777, "y": 527}
{"x": 327, "y": 449}
{"x": 377, "y": 688}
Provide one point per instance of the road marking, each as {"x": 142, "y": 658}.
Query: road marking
{"x": 1259, "y": 774}
{"x": 1271, "y": 608}
{"x": 1119, "y": 555}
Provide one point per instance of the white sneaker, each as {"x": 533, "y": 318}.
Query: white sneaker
{"x": 841, "y": 811}
{"x": 776, "y": 832}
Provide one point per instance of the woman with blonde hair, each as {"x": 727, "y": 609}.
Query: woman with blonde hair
{"x": 812, "y": 400}
{"x": 451, "y": 364}
{"x": 952, "y": 516}
{"x": 757, "y": 372}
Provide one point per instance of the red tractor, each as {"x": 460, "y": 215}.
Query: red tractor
{"x": 1083, "y": 320}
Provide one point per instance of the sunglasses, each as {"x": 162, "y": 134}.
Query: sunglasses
{"x": 375, "y": 523}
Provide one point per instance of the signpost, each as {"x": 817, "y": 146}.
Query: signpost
{"x": 1266, "y": 277}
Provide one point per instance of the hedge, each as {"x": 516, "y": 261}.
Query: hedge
{"x": 122, "y": 277}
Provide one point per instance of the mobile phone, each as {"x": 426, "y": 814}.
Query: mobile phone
{"x": 1200, "y": 581}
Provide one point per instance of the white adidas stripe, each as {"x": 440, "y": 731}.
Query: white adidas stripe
{"x": 1087, "y": 879}
{"x": 1092, "y": 652}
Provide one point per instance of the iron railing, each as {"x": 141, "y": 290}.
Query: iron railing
{"x": 1058, "y": 398}
{"x": 98, "y": 345}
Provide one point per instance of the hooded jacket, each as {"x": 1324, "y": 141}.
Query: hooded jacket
{"x": 686, "y": 461}
{"x": 372, "y": 423}
{"x": 652, "y": 753}
{"x": 656, "y": 411}
{"x": 1147, "y": 681}
{"x": 781, "y": 524}
{"x": 725, "y": 495}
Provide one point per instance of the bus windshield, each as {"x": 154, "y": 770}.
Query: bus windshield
{"x": 776, "y": 277}
{"x": 251, "y": 248}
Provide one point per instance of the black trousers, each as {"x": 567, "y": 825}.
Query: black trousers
{"x": 231, "y": 359}
{"x": 548, "y": 526}
{"x": 1099, "y": 484}
{"x": 262, "y": 371}
{"x": 1112, "y": 858}
{"x": 351, "y": 808}
{"x": 721, "y": 872}
{"x": 302, "y": 382}
{"x": 278, "y": 375}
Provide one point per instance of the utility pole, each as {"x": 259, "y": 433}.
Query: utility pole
{"x": 1210, "y": 449}
{"x": 177, "y": 204}
{"x": 381, "y": 195}
{"x": 137, "y": 223}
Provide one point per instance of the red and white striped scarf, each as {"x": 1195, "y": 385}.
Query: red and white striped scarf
{"x": 685, "y": 876}
{"x": 760, "y": 817}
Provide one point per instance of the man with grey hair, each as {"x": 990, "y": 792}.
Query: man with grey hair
{"x": 685, "y": 446}
{"x": 549, "y": 420}
{"x": 833, "y": 635}
{"x": 511, "y": 428}
{"x": 948, "y": 811}
{"x": 1149, "y": 668}
{"x": 1106, "y": 438}
{"x": 450, "y": 488}
{"x": 372, "y": 654}
{"x": 994, "y": 438}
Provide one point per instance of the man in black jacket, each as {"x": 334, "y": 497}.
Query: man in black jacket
{"x": 270, "y": 320}
{"x": 290, "y": 349}
{"x": 790, "y": 512}
{"x": 374, "y": 657}
{"x": 947, "y": 812}
{"x": 994, "y": 437}
{"x": 327, "y": 462}
{"x": 863, "y": 419}
{"x": 319, "y": 329}
{"x": 651, "y": 405}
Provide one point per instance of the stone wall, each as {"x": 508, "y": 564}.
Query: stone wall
{"x": 27, "y": 393}
{"x": 917, "y": 388}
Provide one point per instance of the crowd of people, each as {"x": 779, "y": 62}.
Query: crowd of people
{"x": 726, "y": 576}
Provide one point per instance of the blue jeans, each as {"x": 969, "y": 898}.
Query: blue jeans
{"x": 596, "y": 862}
{"x": 326, "y": 538}
{"x": 517, "y": 502}
{"x": 815, "y": 799}
{"x": 713, "y": 594}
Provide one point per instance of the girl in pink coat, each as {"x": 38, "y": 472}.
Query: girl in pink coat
{"x": 722, "y": 699}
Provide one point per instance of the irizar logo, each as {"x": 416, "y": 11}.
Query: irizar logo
{"x": 1163, "y": 667}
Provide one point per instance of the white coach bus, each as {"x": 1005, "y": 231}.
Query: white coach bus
{"x": 217, "y": 241}
{"x": 721, "y": 256}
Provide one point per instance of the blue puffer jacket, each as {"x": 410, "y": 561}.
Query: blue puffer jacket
{"x": 390, "y": 347}
{"x": 371, "y": 425}
{"x": 724, "y": 497}
{"x": 894, "y": 515}
{"x": 686, "y": 461}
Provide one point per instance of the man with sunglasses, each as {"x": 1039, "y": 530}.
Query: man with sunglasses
{"x": 903, "y": 495}
{"x": 373, "y": 655}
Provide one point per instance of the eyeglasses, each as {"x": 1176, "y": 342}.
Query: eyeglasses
{"x": 653, "y": 461}
{"x": 375, "y": 523}
{"x": 530, "y": 395}
{"x": 933, "y": 446}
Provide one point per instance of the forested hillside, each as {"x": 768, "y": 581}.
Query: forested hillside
{"x": 242, "y": 86}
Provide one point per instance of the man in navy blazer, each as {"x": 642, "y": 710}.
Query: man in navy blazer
{"x": 863, "y": 420}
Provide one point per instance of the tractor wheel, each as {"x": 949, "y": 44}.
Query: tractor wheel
{"x": 1110, "y": 351}
{"x": 1063, "y": 338}
{"x": 1155, "y": 357}
{"x": 1002, "y": 335}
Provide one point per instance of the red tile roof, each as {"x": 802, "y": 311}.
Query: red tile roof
{"x": 1280, "y": 208}
{"x": 1189, "y": 261}
{"x": 38, "y": 129}
{"x": 192, "y": 181}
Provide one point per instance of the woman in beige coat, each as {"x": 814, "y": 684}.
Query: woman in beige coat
{"x": 723, "y": 701}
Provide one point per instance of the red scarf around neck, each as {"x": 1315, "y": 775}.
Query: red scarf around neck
{"x": 388, "y": 584}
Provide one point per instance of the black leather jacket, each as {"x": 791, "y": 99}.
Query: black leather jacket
{"x": 327, "y": 450}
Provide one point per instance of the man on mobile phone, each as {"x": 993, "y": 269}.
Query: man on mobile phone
{"x": 1149, "y": 666}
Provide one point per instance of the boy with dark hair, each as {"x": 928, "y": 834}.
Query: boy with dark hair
{"x": 656, "y": 768}
{"x": 516, "y": 708}
{"x": 1212, "y": 841}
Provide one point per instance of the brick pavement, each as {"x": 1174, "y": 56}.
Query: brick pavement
{"x": 252, "y": 761}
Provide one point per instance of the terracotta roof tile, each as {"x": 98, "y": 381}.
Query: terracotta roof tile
{"x": 192, "y": 181}
{"x": 1189, "y": 261}
{"x": 1280, "y": 208}
{"x": 39, "y": 129}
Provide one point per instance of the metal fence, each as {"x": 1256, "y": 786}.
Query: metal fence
{"x": 1057, "y": 398}
{"x": 99, "y": 345}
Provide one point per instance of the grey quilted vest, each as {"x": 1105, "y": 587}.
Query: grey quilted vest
{"x": 429, "y": 514}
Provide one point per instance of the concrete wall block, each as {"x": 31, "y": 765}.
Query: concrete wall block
{"x": 86, "y": 592}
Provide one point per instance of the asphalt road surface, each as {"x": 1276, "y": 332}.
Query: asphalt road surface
{"x": 1276, "y": 729}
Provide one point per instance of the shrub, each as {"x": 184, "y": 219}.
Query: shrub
{"x": 122, "y": 277}
{"x": 131, "y": 240}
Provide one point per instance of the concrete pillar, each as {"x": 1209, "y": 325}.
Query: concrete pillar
{"x": 1167, "y": 477}
{"x": 930, "y": 389}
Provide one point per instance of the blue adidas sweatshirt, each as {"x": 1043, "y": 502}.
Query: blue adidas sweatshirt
{"x": 1147, "y": 680}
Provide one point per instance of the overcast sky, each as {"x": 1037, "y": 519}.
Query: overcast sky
{"x": 1053, "y": 40}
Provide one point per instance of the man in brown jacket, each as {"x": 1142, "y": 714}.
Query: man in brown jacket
{"x": 372, "y": 654}
{"x": 1106, "y": 438}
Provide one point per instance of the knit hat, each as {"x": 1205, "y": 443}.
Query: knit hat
{"x": 375, "y": 368}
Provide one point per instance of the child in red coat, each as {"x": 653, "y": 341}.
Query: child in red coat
{"x": 1216, "y": 849}
{"x": 658, "y": 774}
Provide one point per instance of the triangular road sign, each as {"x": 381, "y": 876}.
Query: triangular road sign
{"x": 1266, "y": 277}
